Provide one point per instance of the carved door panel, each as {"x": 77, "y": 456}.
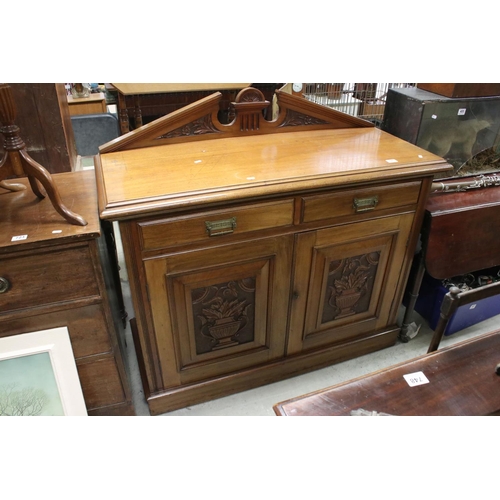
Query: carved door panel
{"x": 345, "y": 281}
{"x": 221, "y": 309}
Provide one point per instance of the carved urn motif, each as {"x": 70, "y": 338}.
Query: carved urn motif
{"x": 224, "y": 312}
{"x": 350, "y": 282}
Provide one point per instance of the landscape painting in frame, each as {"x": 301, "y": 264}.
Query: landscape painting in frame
{"x": 38, "y": 375}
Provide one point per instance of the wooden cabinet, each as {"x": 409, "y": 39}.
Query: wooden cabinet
{"x": 345, "y": 278}
{"x": 93, "y": 104}
{"x": 57, "y": 275}
{"x": 264, "y": 250}
{"x": 219, "y": 307}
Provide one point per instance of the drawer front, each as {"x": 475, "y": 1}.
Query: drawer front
{"x": 87, "y": 328}
{"x": 46, "y": 277}
{"x": 359, "y": 201}
{"x": 213, "y": 224}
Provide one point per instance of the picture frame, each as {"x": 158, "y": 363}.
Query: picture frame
{"x": 38, "y": 375}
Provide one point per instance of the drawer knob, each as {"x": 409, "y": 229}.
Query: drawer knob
{"x": 4, "y": 284}
{"x": 365, "y": 204}
{"x": 219, "y": 227}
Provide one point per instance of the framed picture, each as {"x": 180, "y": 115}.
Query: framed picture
{"x": 38, "y": 375}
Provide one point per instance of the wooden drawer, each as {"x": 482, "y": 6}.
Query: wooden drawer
{"x": 45, "y": 278}
{"x": 86, "y": 325}
{"x": 189, "y": 229}
{"x": 359, "y": 201}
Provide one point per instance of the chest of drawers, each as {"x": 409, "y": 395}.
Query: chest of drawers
{"x": 260, "y": 250}
{"x": 55, "y": 275}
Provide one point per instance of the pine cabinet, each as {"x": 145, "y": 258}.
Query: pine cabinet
{"x": 259, "y": 250}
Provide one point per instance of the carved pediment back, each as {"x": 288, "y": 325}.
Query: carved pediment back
{"x": 199, "y": 120}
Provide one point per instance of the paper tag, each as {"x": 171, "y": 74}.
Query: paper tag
{"x": 391, "y": 161}
{"x": 19, "y": 238}
{"x": 462, "y": 111}
{"x": 417, "y": 378}
{"x": 57, "y": 231}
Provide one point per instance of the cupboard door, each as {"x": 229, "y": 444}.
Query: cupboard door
{"x": 345, "y": 281}
{"x": 221, "y": 309}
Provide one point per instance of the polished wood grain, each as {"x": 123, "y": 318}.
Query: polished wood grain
{"x": 462, "y": 382}
{"x": 23, "y": 213}
{"x": 189, "y": 229}
{"x": 194, "y": 174}
{"x": 56, "y": 279}
{"x": 350, "y": 202}
{"x": 292, "y": 197}
{"x": 199, "y": 121}
{"x": 266, "y": 261}
{"x": 460, "y": 233}
{"x": 316, "y": 254}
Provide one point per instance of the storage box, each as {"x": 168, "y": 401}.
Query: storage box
{"x": 455, "y": 129}
{"x": 431, "y": 297}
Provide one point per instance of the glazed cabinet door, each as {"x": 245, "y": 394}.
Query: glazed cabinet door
{"x": 219, "y": 309}
{"x": 345, "y": 281}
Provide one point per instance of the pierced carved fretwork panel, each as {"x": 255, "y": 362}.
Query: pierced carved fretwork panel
{"x": 223, "y": 314}
{"x": 349, "y": 286}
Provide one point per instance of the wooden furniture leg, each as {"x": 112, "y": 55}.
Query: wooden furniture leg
{"x": 413, "y": 293}
{"x": 123, "y": 114}
{"x": 17, "y": 162}
{"x": 12, "y": 186}
{"x": 137, "y": 112}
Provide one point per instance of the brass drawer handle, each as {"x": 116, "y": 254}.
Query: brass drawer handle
{"x": 365, "y": 204}
{"x": 220, "y": 227}
{"x": 4, "y": 284}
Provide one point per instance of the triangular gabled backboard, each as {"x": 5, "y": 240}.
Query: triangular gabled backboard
{"x": 199, "y": 121}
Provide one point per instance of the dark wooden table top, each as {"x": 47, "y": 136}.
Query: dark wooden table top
{"x": 26, "y": 220}
{"x": 462, "y": 381}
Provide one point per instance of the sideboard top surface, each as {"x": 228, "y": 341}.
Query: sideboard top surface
{"x": 176, "y": 176}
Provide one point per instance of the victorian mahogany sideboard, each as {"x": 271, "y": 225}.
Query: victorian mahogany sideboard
{"x": 258, "y": 250}
{"x": 57, "y": 274}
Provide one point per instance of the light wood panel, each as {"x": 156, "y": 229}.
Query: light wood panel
{"x": 261, "y": 299}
